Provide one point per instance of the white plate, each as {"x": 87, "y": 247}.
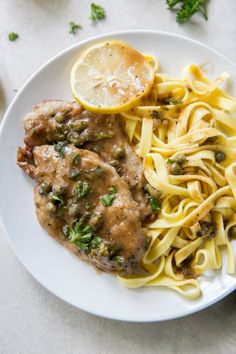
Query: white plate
{"x": 53, "y": 266}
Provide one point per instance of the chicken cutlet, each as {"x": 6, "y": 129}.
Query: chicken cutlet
{"x": 84, "y": 204}
{"x": 55, "y": 121}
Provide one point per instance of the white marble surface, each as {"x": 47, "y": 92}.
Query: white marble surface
{"x": 31, "y": 319}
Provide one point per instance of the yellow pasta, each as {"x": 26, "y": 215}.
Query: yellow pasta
{"x": 185, "y": 132}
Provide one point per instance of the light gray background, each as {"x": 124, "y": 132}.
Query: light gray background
{"x": 31, "y": 319}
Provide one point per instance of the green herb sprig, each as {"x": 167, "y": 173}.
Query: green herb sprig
{"x": 155, "y": 204}
{"x": 81, "y": 236}
{"x": 97, "y": 12}
{"x": 187, "y": 9}
{"x": 108, "y": 198}
{"x": 13, "y": 36}
{"x": 74, "y": 27}
{"x": 82, "y": 189}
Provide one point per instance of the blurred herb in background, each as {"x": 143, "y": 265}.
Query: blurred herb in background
{"x": 97, "y": 12}
{"x": 187, "y": 8}
{"x": 13, "y": 36}
{"x": 74, "y": 27}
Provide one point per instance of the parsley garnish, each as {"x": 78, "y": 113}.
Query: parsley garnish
{"x": 13, "y": 36}
{"x": 188, "y": 8}
{"x": 74, "y": 27}
{"x": 108, "y": 198}
{"x": 97, "y": 12}
{"x": 96, "y": 242}
{"x": 155, "y": 204}
{"x": 81, "y": 236}
{"x": 82, "y": 189}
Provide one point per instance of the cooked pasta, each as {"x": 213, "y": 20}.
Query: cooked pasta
{"x": 185, "y": 133}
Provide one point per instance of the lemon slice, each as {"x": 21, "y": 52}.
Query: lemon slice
{"x": 111, "y": 77}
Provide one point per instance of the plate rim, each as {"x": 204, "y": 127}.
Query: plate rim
{"x": 198, "y": 307}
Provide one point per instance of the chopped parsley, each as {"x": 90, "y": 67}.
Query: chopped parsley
{"x": 82, "y": 189}
{"x": 81, "y": 236}
{"x": 155, "y": 204}
{"x": 188, "y": 8}
{"x": 74, "y": 27}
{"x": 61, "y": 148}
{"x": 97, "y": 12}
{"x": 96, "y": 242}
{"x": 108, "y": 198}
{"x": 13, "y": 36}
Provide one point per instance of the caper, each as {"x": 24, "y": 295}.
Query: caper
{"x": 78, "y": 139}
{"x": 114, "y": 249}
{"x": 75, "y": 158}
{"x": 73, "y": 137}
{"x": 155, "y": 193}
{"x": 74, "y": 210}
{"x": 73, "y": 173}
{"x": 59, "y": 117}
{"x": 50, "y": 207}
{"x": 232, "y": 232}
{"x": 96, "y": 221}
{"x": 118, "y": 152}
{"x": 220, "y": 156}
{"x": 146, "y": 242}
{"x": 158, "y": 115}
{"x": 80, "y": 125}
{"x": 212, "y": 140}
{"x": 59, "y": 136}
{"x": 208, "y": 230}
{"x": 179, "y": 158}
{"x": 175, "y": 169}
{"x": 60, "y": 147}
{"x": 44, "y": 188}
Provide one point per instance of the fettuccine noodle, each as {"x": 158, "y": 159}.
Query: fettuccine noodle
{"x": 185, "y": 133}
